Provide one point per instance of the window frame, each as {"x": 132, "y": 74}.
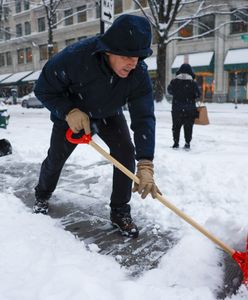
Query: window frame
{"x": 82, "y": 14}
{"x": 27, "y": 28}
{"x": 68, "y": 17}
{"x": 28, "y": 55}
{"x": 41, "y": 24}
{"x": 2, "y": 60}
{"x": 20, "y": 56}
{"x": 19, "y": 31}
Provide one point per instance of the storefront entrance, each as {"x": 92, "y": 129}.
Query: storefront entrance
{"x": 205, "y": 81}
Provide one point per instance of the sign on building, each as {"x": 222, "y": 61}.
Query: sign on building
{"x": 107, "y": 11}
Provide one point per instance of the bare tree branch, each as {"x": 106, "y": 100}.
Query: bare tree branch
{"x": 171, "y": 16}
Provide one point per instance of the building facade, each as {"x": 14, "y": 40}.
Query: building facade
{"x": 220, "y": 60}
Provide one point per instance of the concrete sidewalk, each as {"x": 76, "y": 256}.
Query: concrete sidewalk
{"x": 88, "y": 219}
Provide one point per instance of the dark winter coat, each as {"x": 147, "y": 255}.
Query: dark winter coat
{"x": 184, "y": 90}
{"x": 80, "y": 77}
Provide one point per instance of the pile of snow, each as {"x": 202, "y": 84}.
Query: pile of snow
{"x": 39, "y": 260}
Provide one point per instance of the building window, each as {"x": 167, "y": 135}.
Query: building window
{"x": 98, "y": 11}
{"x": 44, "y": 51}
{"x": 2, "y": 60}
{"x": 7, "y": 33}
{"x": 55, "y": 47}
{"x": 143, "y": 3}
{"x": 82, "y": 37}
{"x": 54, "y": 21}
{"x": 8, "y": 58}
{"x": 81, "y": 16}
{"x": 205, "y": 82}
{"x": 69, "y": 42}
{"x": 20, "y": 56}
{"x": 68, "y": 17}
{"x": 205, "y": 24}
{"x": 19, "y": 30}
{"x": 186, "y": 31}
{"x": 118, "y": 6}
{"x": 27, "y": 28}
{"x": 241, "y": 22}
{"x": 26, "y": 5}
{"x": 6, "y": 13}
{"x": 18, "y": 6}
{"x": 29, "y": 57}
{"x": 41, "y": 24}
{"x": 1, "y": 33}
{"x": 238, "y": 85}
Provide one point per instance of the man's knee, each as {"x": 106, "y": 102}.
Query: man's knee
{"x": 124, "y": 152}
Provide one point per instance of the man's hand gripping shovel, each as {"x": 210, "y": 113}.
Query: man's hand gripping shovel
{"x": 241, "y": 258}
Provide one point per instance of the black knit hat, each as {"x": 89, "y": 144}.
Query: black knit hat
{"x": 128, "y": 36}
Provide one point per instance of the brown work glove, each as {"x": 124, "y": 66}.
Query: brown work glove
{"x": 78, "y": 120}
{"x": 145, "y": 175}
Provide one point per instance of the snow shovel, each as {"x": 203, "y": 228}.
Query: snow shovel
{"x": 241, "y": 258}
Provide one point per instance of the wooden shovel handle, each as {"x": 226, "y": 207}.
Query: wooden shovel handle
{"x": 165, "y": 202}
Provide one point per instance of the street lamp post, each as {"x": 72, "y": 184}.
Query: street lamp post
{"x": 236, "y": 90}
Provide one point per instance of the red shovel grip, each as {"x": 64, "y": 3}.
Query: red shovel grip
{"x": 84, "y": 139}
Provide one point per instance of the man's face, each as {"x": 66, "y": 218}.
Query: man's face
{"x": 122, "y": 65}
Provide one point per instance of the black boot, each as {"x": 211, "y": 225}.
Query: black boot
{"x": 124, "y": 221}
{"x": 187, "y": 146}
{"x": 175, "y": 145}
{"x": 41, "y": 205}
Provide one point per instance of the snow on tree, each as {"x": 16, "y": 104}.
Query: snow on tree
{"x": 185, "y": 20}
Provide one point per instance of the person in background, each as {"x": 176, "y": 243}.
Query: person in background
{"x": 185, "y": 92}
{"x": 85, "y": 87}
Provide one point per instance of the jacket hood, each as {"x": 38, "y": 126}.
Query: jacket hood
{"x": 186, "y": 69}
{"x": 128, "y": 36}
{"x": 184, "y": 76}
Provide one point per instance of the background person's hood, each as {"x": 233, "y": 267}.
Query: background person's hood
{"x": 128, "y": 36}
{"x": 186, "y": 69}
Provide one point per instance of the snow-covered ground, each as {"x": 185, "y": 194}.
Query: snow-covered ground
{"x": 41, "y": 261}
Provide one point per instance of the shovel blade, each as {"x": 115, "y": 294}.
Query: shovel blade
{"x": 242, "y": 260}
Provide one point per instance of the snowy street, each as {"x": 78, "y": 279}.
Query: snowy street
{"x": 42, "y": 261}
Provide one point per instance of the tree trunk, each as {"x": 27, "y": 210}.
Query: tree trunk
{"x": 160, "y": 88}
{"x": 50, "y": 43}
{"x": 50, "y": 21}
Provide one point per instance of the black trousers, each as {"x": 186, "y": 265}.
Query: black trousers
{"x": 185, "y": 119}
{"x": 115, "y": 133}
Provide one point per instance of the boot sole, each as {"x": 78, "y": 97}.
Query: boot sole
{"x": 40, "y": 211}
{"x": 125, "y": 233}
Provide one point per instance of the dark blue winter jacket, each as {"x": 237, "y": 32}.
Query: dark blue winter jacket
{"x": 184, "y": 90}
{"x": 79, "y": 77}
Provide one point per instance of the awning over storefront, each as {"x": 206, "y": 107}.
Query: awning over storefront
{"x": 236, "y": 59}
{"x": 15, "y": 77}
{"x": 200, "y": 62}
{"x": 32, "y": 77}
{"x": 151, "y": 63}
{"x": 4, "y": 76}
